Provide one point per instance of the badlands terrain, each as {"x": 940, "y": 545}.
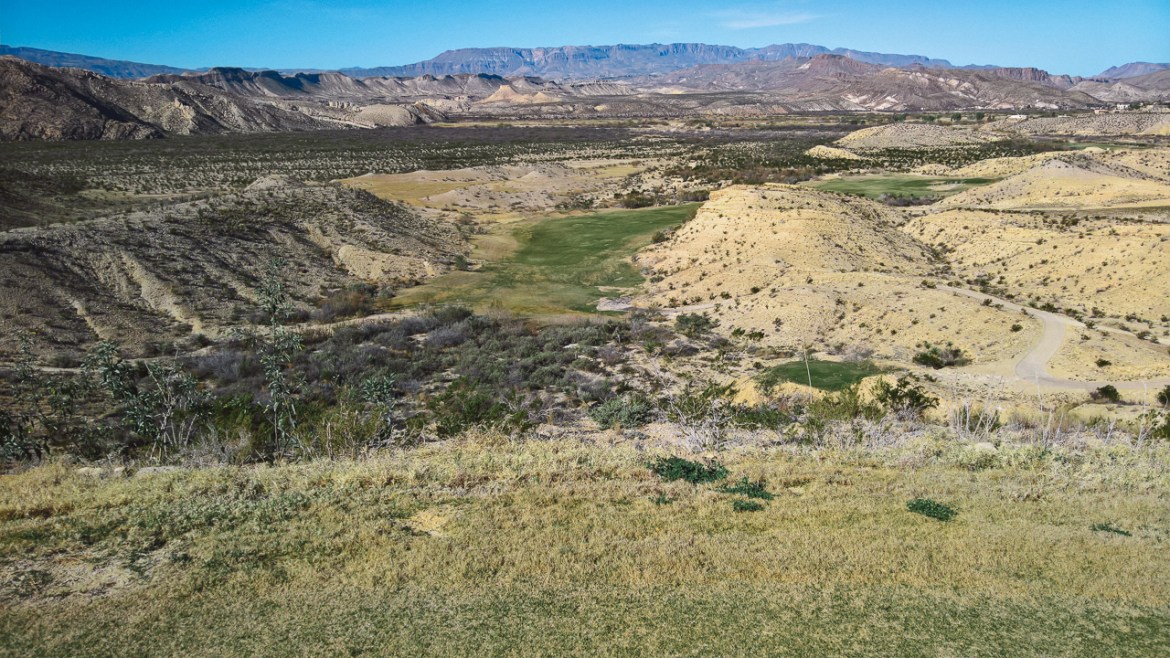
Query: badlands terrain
{"x": 673, "y": 350}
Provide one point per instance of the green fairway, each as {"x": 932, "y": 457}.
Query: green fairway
{"x": 558, "y": 265}
{"x": 900, "y": 185}
{"x": 825, "y": 375}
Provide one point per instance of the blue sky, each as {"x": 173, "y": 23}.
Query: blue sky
{"x": 1079, "y": 37}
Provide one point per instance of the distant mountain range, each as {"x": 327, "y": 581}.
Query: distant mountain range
{"x": 589, "y": 62}
{"x": 1131, "y": 70}
{"x": 45, "y": 102}
{"x": 562, "y": 62}
{"x": 113, "y": 68}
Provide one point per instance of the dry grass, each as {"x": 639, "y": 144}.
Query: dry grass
{"x": 485, "y": 546}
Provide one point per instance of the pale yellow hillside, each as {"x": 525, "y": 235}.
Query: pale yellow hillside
{"x": 1125, "y": 163}
{"x": 912, "y": 135}
{"x": 1120, "y": 267}
{"x": 502, "y": 192}
{"x": 1057, "y": 183}
{"x": 832, "y": 153}
{"x": 815, "y": 268}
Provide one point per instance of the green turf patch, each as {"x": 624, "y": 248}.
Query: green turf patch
{"x": 746, "y": 487}
{"x": 561, "y": 264}
{"x": 825, "y": 375}
{"x": 677, "y": 468}
{"x": 746, "y": 506}
{"x": 1110, "y": 528}
{"x": 901, "y": 185}
{"x": 931, "y": 508}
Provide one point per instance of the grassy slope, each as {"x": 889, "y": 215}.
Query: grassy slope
{"x": 558, "y": 264}
{"x": 556, "y": 548}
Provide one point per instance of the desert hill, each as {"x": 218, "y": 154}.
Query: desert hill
{"x": 840, "y": 83}
{"x": 47, "y": 103}
{"x": 1101, "y": 125}
{"x": 194, "y": 267}
{"x": 807, "y": 267}
{"x": 1080, "y": 183}
{"x": 911, "y": 136}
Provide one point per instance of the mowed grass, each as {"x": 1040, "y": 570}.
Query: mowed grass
{"x": 900, "y": 185}
{"x": 825, "y": 375}
{"x": 558, "y": 265}
{"x": 489, "y": 547}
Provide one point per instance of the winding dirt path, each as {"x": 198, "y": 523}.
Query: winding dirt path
{"x": 1033, "y": 365}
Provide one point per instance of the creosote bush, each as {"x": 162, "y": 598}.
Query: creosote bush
{"x": 941, "y": 356}
{"x": 1106, "y": 393}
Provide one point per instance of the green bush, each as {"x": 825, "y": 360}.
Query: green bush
{"x": 627, "y": 411}
{"x": 905, "y": 396}
{"x": 693, "y": 325}
{"x": 932, "y": 509}
{"x": 1107, "y": 393}
{"x": 1163, "y": 396}
{"x": 463, "y": 406}
{"x": 746, "y": 506}
{"x": 677, "y": 468}
{"x": 938, "y": 357}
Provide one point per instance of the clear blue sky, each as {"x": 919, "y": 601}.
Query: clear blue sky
{"x": 1079, "y": 37}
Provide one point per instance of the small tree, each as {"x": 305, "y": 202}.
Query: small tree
{"x": 906, "y": 397}
{"x": 278, "y": 346}
{"x": 164, "y": 408}
{"x": 1163, "y": 396}
{"x": 1107, "y": 393}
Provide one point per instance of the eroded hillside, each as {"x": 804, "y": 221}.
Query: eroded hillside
{"x": 193, "y": 268}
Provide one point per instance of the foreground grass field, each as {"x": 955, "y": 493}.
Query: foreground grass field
{"x": 489, "y": 547}
{"x": 556, "y": 264}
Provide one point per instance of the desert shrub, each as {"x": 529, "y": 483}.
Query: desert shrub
{"x": 938, "y": 357}
{"x": 677, "y": 468}
{"x": 1110, "y": 528}
{"x": 448, "y": 335}
{"x": 450, "y": 314}
{"x": 1106, "y": 393}
{"x": 464, "y": 405}
{"x": 354, "y": 301}
{"x": 693, "y": 325}
{"x": 758, "y": 417}
{"x": 931, "y": 508}
{"x": 906, "y": 396}
{"x": 976, "y": 458}
{"x": 1163, "y": 396}
{"x": 748, "y": 488}
{"x": 1103, "y": 363}
{"x": 626, "y": 411}
{"x": 636, "y": 200}
{"x": 746, "y": 506}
